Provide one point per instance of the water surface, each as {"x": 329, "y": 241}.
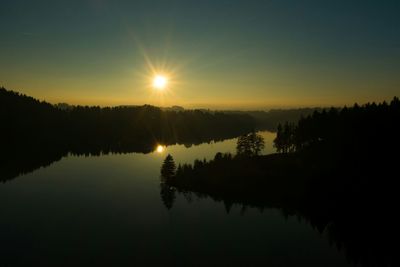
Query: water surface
{"x": 106, "y": 210}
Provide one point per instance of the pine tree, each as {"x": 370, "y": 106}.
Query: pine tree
{"x": 168, "y": 168}
{"x": 168, "y": 195}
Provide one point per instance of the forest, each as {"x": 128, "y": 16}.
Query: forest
{"x": 337, "y": 169}
{"x": 36, "y": 133}
{"x": 269, "y": 120}
{"x": 138, "y": 127}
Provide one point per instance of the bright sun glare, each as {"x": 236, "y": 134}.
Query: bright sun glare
{"x": 160, "y": 82}
{"x": 160, "y": 149}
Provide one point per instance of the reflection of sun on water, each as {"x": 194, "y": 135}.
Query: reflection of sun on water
{"x": 160, "y": 149}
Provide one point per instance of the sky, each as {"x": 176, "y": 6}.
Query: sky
{"x": 218, "y": 54}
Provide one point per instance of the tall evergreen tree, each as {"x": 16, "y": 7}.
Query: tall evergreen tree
{"x": 168, "y": 195}
{"x": 168, "y": 168}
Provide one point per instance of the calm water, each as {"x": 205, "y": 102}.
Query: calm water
{"x": 107, "y": 210}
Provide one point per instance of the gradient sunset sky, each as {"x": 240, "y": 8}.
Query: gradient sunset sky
{"x": 218, "y": 54}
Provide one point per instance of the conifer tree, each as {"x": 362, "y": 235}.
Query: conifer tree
{"x": 168, "y": 168}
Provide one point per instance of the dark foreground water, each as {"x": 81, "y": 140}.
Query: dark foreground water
{"x": 106, "y": 210}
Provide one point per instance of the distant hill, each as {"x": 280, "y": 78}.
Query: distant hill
{"x": 269, "y": 120}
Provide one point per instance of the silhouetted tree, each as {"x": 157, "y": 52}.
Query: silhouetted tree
{"x": 112, "y": 126}
{"x": 279, "y": 140}
{"x": 344, "y": 165}
{"x": 243, "y": 146}
{"x": 289, "y": 137}
{"x": 167, "y": 195}
{"x": 168, "y": 168}
{"x": 30, "y": 126}
{"x": 250, "y": 145}
{"x": 269, "y": 120}
{"x": 257, "y": 143}
{"x": 285, "y": 138}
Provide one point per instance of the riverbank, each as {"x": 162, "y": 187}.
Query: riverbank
{"x": 354, "y": 206}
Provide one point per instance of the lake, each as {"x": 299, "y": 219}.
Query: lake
{"x": 106, "y": 210}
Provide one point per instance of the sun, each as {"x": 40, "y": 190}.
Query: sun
{"x": 160, "y": 82}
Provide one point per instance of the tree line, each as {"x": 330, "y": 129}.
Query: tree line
{"x": 248, "y": 146}
{"x": 34, "y": 133}
{"x": 372, "y": 127}
{"x": 336, "y": 168}
{"x": 24, "y": 118}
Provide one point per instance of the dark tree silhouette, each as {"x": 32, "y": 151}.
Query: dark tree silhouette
{"x": 335, "y": 167}
{"x": 269, "y": 120}
{"x": 168, "y": 195}
{"x": 250, "y": 144}
{"x": 352, "y": 129}
{"x": 168, "y": 172}
{"x": 285, "y": 136}
{"x": 168, "y": 168}
{"x": 34, "y": 133}
{"x": 25, "y": 120}
{"x": 278, "y": 141}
